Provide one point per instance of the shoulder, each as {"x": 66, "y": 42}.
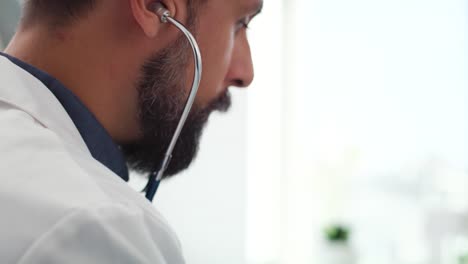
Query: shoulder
{"x": 61, "y": 206}
{"x": 36, "y": 161}
{"x": 105, "y": 234}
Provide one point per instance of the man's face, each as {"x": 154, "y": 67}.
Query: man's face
{"x": 167, "y": 76}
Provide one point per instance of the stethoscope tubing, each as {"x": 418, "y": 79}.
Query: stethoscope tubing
{"x": 157, "y": 176}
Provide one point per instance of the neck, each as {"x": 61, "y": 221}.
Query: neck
{"x": 84, "y": 62}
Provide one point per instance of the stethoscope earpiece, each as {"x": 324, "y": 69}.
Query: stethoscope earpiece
{"x": 161, "y": 10}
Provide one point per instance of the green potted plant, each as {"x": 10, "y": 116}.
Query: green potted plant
{"x": 337, "y": 245}
{"x": 337, "y": 234}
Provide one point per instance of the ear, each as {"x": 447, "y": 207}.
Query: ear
{"x": 147, "y": 18}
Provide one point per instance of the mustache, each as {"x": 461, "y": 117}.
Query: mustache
{"x": 222, "y": 103}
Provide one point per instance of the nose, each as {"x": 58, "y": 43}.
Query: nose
{"x": 241, "y": 72}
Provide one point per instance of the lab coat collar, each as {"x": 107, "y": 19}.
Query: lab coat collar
{"x": 58, "y": 109}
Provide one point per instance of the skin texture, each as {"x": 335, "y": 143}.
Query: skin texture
{"x": 110, "y": 59}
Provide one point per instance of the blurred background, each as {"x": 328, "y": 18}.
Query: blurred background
{"x": 351, "y": 146}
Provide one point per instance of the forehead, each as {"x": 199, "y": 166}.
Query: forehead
{"x": 244, "y": 6}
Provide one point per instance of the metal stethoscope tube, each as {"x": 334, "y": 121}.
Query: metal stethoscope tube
{"x": 156, "y": 177}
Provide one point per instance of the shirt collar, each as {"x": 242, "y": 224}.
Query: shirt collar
{"x": 97, "y": 139}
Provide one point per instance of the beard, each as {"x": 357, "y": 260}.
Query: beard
{"x": 162, "y": 98}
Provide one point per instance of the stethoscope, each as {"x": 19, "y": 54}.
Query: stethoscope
{"x": 156, "y": 177}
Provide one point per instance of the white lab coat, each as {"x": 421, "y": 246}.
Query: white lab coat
{"x": 58, "y": 204}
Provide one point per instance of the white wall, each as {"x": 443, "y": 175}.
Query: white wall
{"x": 266, "y": 135}
{"x": 9, "y": 15}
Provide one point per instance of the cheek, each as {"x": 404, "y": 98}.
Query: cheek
{"x": 216, "y": 48}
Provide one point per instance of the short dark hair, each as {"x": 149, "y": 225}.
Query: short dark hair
{"x": 55, "y": 12}
{"x": 58, "y": 13}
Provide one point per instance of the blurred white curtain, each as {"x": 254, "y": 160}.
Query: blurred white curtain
{"x": 357, "y": 108}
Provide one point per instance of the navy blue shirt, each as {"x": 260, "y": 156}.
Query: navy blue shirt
{"x": 97, "y": 139}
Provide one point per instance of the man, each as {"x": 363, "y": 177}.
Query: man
{"x": 87, "y": 87}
